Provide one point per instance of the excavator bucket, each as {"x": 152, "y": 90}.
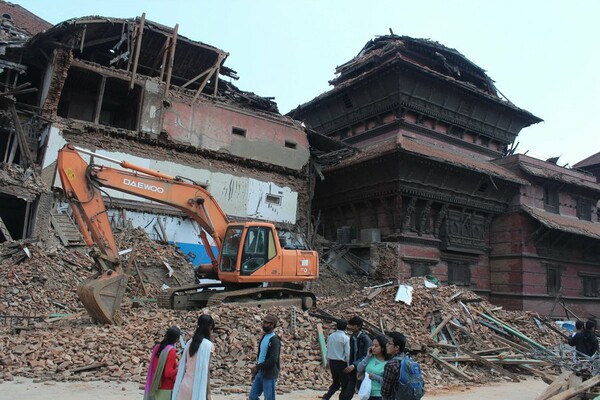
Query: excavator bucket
{"x": 102, "y": 294}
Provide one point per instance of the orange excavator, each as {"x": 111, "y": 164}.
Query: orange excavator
{"x": 252, "y": 266}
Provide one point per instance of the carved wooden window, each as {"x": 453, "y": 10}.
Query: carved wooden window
{"x": 584, "y": 209}
{"x": 591, "y": 285}
{"x": 551, "y": 200}
{"x": 459, "y": 273}
{"x": 554, "y": 279}
{"x": 420, "y": 269}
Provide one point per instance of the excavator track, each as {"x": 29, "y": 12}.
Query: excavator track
{"x": 200, "y": 296}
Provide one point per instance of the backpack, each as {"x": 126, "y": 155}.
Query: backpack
{"x": 410, "y": 384}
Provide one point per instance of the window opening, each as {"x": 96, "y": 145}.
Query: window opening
{"x": 272, "y": 199}
{"x": 238, "y": 131}
{"x": 551, "y": 200}
{"x": 553, "y": 279}
{"x": 459, "y": 274}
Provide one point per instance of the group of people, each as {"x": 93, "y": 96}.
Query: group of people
{"x": 190, "y": 378}
{"x": 351, "y": 358}
{"x": 584, "y": 339}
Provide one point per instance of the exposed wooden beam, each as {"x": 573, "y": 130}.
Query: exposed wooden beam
{"x": 214, "y": 68}
{"x": 159, "y": 56}
{"x": 21, "y": 137}
{"x": 172, "y": 46}
{"x": 164, "y": 59}
{"x": 101, "y": 41}
{"x": 100, "y": 99}
{"x": 138, "y": 45}
{"x": 194, "y": 79}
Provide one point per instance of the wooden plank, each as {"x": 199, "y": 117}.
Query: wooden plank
{"x": 100, "y": 100}
{"x": 490, "y": 364}
{"x": 140, "y": 277}
{"x": 163, "y": 66}
{"x": 454, "y": 296}
{"x": 138, "y": 45}
{"x": 466, "y": 332}
{"x": 171, "y": 59}
{"x": 561, "y": 383}
{"x": 88, "y": 367}
{"x": 5, "y": 232}
{"x": 545, "y": 377}
{"x": 374, "y": 293}
{"x": 567, "y": 394}
{"x": 194, "y": 79}
{"x": 439, "y": 328}
{"x": 450, "y": 367}
{"x": 512, "y": 344}
{"x": 21, "y": 137}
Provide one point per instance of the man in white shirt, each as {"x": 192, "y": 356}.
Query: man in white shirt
{"x": 338, "y": 354}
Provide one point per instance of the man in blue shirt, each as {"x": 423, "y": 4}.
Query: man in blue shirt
{"x": 266, "y": 370}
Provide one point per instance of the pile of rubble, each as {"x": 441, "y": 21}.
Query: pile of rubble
{"x": 458, "y": 337}
{"x": 13, "y": 175}
{"x": 153, "y": 265}
{"x": 37, "y": 282}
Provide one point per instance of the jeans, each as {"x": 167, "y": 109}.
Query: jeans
{"x": 261, "y": 385}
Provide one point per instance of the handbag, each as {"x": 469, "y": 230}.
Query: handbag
{"x": 365, "y": 388}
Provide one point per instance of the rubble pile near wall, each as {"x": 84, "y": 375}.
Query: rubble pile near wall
{"x": 61, "y": 350}
{"x": 450, "y": 306}
{"x": 72, "y": 348}
{"x": 35, "y": 281}
{"x": 152, "y": 260}
{"x": 13, "y": 175}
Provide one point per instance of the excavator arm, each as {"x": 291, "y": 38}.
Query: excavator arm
{"x": 82, "y": 182}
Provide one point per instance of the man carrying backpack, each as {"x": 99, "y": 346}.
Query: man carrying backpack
{"x": 402, "y": 379}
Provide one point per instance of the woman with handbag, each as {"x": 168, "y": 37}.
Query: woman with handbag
{"x": 163, "y": 367}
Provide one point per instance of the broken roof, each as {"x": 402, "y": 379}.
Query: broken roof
{"x": 425, "y": 55}
{"x": 563, "y": 223}
{"x": 423, "y": 149}
{"x": 547, "y": 170}
{"x": 22, "y": 19}
{"x": 592, "y": 160}
{"x": 423, "y": 52}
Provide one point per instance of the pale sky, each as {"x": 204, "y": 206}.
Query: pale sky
{"x": 544, "y": 55}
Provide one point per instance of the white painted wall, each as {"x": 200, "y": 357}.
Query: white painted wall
{"x": 240, "y": 197}
{"x": 260, "y": 208}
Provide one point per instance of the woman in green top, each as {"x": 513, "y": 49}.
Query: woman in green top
{"x": 373, "y": 365}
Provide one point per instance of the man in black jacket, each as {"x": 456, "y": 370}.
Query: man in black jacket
{"x": 585, "y": 341}
{"x": 359, "y": 346}
{"x": 266, "y": 370}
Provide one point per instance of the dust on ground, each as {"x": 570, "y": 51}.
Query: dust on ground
{"x": 23, "y": 388}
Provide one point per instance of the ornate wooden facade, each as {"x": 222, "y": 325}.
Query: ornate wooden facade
{"x": 427, "y": 122}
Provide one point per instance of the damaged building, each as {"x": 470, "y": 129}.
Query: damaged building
{"x": 432, "y": 181}
{"x": 135, "y": 90}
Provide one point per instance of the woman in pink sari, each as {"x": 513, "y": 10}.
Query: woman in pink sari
{"x": 163, "y": 367}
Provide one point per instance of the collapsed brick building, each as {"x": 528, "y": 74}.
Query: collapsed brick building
{"x": 435, "y": 181}
{"x": 134, "y": 90}
{"x": 432, "y": 180}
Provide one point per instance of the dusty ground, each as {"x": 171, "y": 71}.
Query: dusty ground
{"x": 25, "y": 389}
